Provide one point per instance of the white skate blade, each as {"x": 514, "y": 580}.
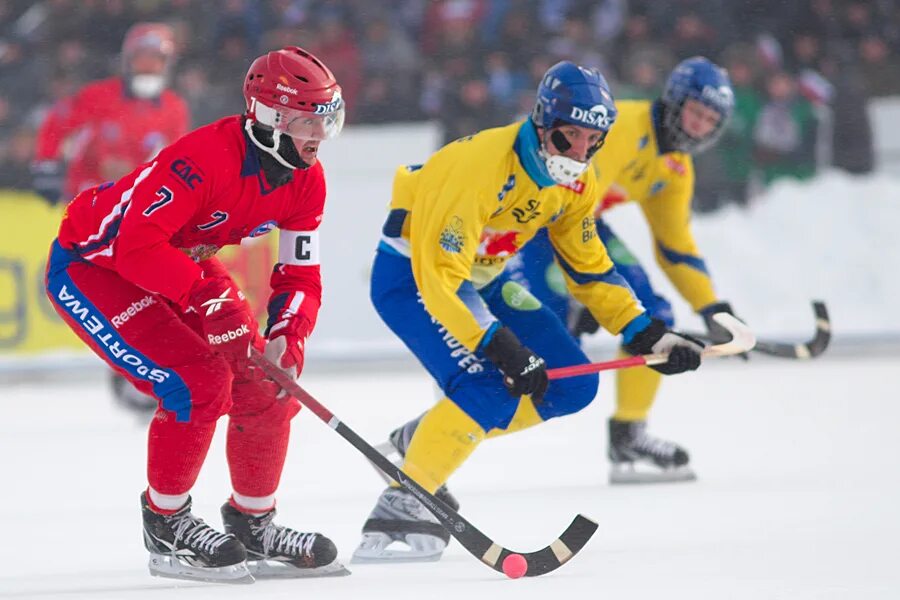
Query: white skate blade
{"x": 172, "y": 567}
{"x": 421, "y": 548}
{"x": 632, "y": 473}
{"x": 274, "y": 569}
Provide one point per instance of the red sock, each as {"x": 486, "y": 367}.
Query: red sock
{"x": 175, "y": 453}
{"x": 256, "y": 457}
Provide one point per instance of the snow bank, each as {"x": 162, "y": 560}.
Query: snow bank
{"x": 835, "y": 238}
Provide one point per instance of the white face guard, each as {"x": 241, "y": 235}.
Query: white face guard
{"x": 301, "y": 124}
{"x": 147, "y": 85}
{"x": 563, "y": 169}
{"x": 323, "y": 124}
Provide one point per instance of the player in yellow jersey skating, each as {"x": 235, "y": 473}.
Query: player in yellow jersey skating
{"x": 438, "y": 283}
{"x": 648, "y": 160}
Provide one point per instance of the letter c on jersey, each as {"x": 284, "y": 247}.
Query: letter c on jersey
{"x": 301, "y": 247}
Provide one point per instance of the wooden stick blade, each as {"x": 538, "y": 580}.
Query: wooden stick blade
{"x": 742, "y": 340}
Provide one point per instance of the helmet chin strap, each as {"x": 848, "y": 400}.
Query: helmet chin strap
{"x": 270, "y": 150}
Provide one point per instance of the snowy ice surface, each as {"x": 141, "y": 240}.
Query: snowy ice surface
{"x": 797, "y": 498}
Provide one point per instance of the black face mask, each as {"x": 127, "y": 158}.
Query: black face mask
{"x": 562, "y": 143}
{"x": 276, "y": 173}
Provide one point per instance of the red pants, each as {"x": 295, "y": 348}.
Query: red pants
{"x": 163, "y": 353}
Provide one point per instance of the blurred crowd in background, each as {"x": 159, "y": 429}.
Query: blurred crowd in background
{"x": 803, "y": 70}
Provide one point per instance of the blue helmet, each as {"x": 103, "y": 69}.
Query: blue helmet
{"x": 576, "y": 95}
{"x": 698, "y": 79}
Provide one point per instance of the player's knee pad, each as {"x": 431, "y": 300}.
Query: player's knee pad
{"x": 209, "y": 381}
{"x": 485, "y": 400}
{"x": 567, "y": 396}
{"x": 255, "y": 404}
{"x": 273, "y": 417}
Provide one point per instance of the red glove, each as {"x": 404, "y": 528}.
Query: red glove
{"x": 228, "y": 323}
{"x": 287, "y": 343}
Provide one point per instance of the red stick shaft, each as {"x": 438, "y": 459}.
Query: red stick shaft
{"x": 574, "y": 370}
{"x": 290, "y": 386}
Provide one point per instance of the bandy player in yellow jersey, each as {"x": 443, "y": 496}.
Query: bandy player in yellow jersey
{"x": 438, "y": 283}
{"x": 648, "y": 160}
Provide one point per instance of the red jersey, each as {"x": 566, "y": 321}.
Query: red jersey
{"x": 205, "y": 191}
{"x": 109, "y": 128}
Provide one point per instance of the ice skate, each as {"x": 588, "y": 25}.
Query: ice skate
{"x": 400, "y": 529}
{"x": 275, "y": 551}
{"x": 637, "y": 457}
{"x": 394, "y": 449}
{"x": 182, "y": 546}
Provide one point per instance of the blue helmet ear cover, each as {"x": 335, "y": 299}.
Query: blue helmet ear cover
{"x": 698, "y": 79}
{"x": 575, "y": 95}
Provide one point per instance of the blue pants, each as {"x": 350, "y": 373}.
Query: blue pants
{"x": 468, "y": 378}
{"x": 535, "y": 269}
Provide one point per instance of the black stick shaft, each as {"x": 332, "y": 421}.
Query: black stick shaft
{"x": 470, "y": 537}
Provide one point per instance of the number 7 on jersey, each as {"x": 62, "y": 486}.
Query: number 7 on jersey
{"x": 165, "y": 196}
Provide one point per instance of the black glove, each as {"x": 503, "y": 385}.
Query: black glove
{"x": 581, "y": 321}
{"x": 717, "y": 333}
{"x": 656, "y": 338}
{"x": 47, "y": 179}
{"x": 523, "y": 371}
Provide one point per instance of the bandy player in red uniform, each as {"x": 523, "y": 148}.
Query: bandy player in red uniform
{"x": 133, "y": 273}
{"x": 111, "y": 126}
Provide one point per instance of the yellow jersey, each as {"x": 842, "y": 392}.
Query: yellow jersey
{"x": 630, "y": 168}
{"x": 460, "y": 216}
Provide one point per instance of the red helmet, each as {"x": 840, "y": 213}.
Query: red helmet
{"x": 156, "y": 37}
{"x": 293, "y": 92}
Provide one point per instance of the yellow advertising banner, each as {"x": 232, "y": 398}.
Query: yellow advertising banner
{"x": 28, "y": 322}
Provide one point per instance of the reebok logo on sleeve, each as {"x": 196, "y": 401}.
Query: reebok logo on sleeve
{"x": 215, "y": 340}
{"x": 215, "y": 304}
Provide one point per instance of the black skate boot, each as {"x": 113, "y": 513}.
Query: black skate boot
{"x": 638, "y": 457}
{"x": 278, "y": 551}
{"x": 182, "y": 546}
{"x": 398, "y": 442}
{"x": 399, "y": 517}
